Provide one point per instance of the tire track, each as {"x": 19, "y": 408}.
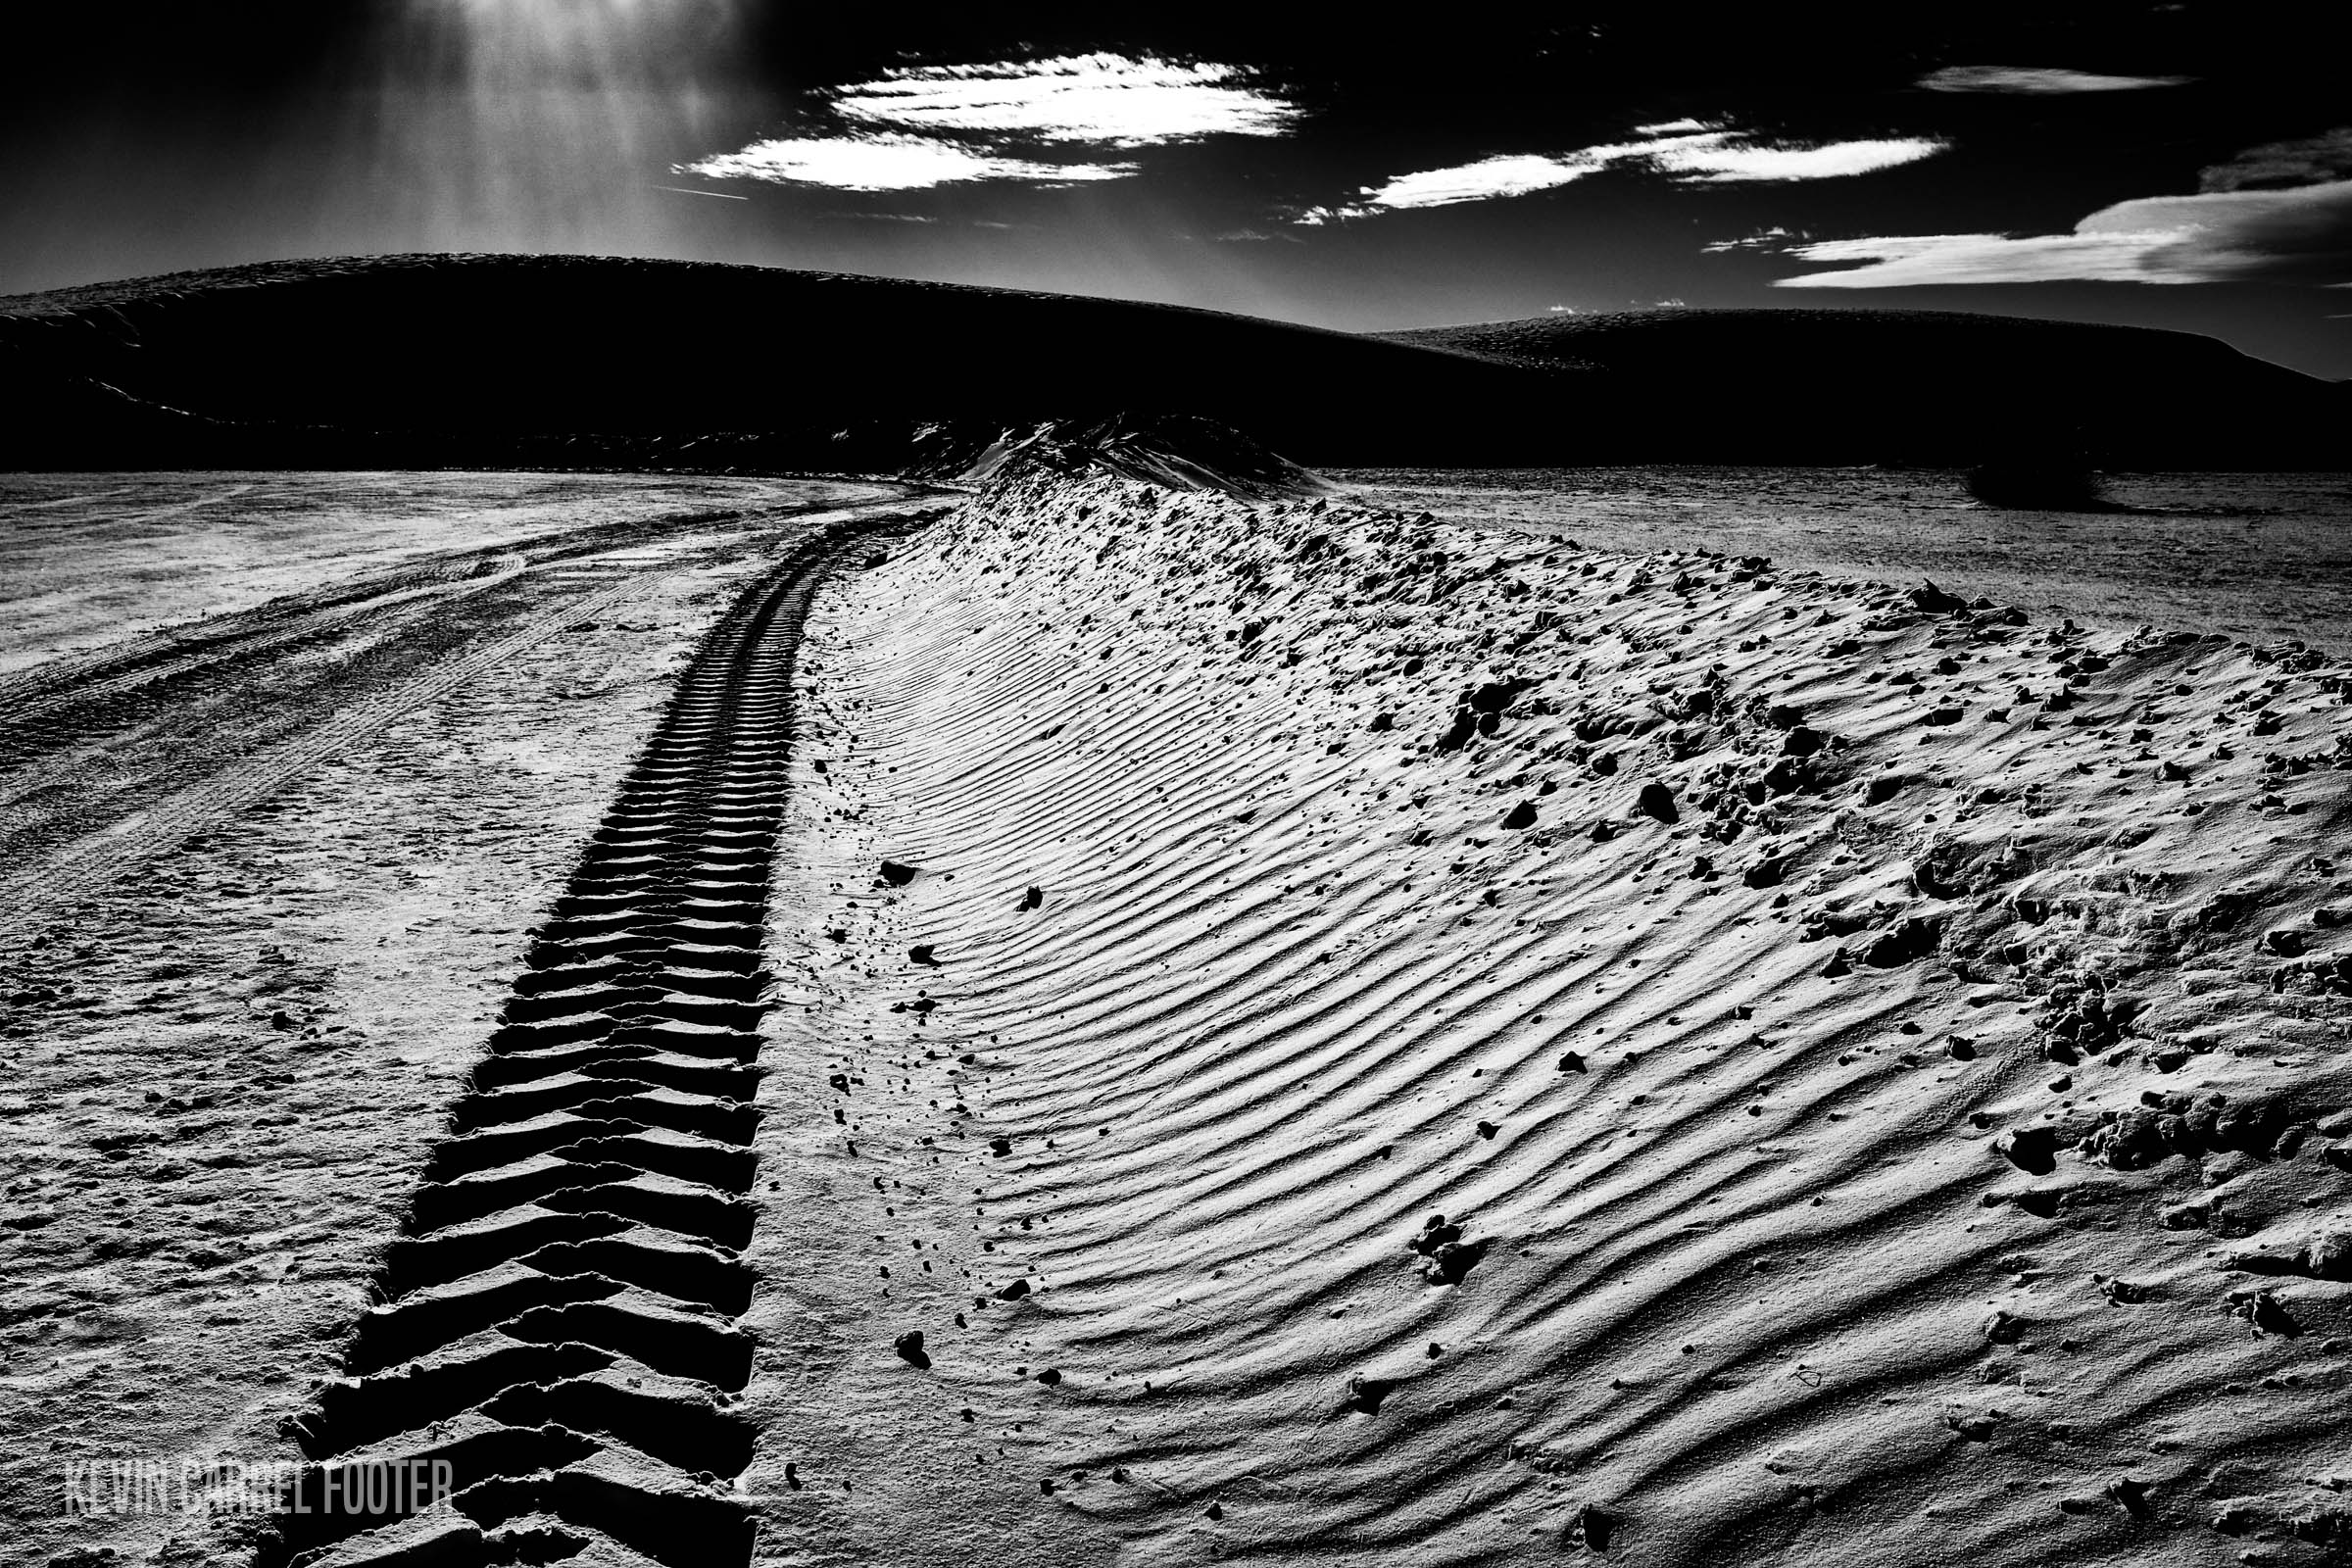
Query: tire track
{"x": 287, "y": 623}
{"x": 558, "y": 1321}
{"x": 86, "y": 867}
{"x": 164, "y": 656}
{"x": 28, "y": 899}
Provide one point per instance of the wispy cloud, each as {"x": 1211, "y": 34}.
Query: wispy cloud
{"x": 1775, "y": 238}
{"x": 2297, "y": 236}
{"x": 928, "y": 126}
{"x": 2037, "y": 80}
{"x": 1701, "y": 156}
{"x": 888, "y": 161}
{"x": 1488, "y": 179}
{"x": 1104, "y": 99}
{"x": 1722, "y": 157}
{"x": 2312, "y": 161}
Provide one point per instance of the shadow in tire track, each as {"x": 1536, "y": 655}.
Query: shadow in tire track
{"x": 554, "y": 1360}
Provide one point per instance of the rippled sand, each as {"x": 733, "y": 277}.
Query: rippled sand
{"x": 1465, "y": 1046}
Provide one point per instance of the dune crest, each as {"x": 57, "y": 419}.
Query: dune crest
{"x": 1449, "y": 1046}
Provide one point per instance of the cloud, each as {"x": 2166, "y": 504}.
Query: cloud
{"x": 2300, "y": 235}
{"x": 1774, "y": 238}
{"x": 1105, "y": 99}
{"x": 1703, "y": 157}
{"x": 887, "y": 162}
{"x": 1722, "y": 158}
{"x": 2312, "y": 161}
{"x": 2037, "y": 80}
{"x": 1488, "y": 179}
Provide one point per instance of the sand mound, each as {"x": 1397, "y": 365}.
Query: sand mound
{"x": 1177, "y": 452}
{"x": 1404, "y": 1043}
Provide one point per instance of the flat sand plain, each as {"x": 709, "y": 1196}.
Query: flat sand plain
{"x": 2265, "y": 557}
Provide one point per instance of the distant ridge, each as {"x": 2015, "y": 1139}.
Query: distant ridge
{"x": 473, "y": 355}
{"x": 1924, "y": 386}
{"x": 586, "y": 362}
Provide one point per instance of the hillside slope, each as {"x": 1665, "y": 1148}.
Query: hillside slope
{"x": 586, "y": 361}
{"x": 502, "y": 350}
{"x": 1923, "y": 386}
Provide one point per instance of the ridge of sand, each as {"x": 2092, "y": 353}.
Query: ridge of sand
{"x": 1880, "y": 1062}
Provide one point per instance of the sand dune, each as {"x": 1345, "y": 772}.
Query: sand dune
{"x": 1394, "y": 1042}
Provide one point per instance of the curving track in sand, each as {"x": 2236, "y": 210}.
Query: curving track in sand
{"x": 115, "y": 756}
{"x": 559, "y": 1319}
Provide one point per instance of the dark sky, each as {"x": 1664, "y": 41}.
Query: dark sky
{"x": 2185, "y": 165}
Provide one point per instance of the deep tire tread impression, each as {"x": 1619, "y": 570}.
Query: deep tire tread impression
{"x": 557, "y": 1316}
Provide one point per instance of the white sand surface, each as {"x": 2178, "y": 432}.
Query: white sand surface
{"x": 1928, "y": 1146}
{"x": 1353, "y": 1039}
{"x": 2266, "y": 556}
{"x": 90, "y": 559}
{"x": 221, "y": 1067}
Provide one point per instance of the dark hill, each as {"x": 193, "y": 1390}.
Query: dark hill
{"x": 1921, "y": 386}
{"x": 471, "y": 356}
{"x": 579, "y": 361}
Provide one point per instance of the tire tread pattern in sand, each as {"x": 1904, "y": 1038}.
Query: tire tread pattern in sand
{"x": 558, "y": 1321}
{"x": 26, "y": 900}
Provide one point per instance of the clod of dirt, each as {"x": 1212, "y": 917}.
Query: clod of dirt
{"x": 1451, "y": 1263}
{"x": 2329, "y": 1255}
{"x": 1907, "y": 942}
{"x": 2269, "y": 1315}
